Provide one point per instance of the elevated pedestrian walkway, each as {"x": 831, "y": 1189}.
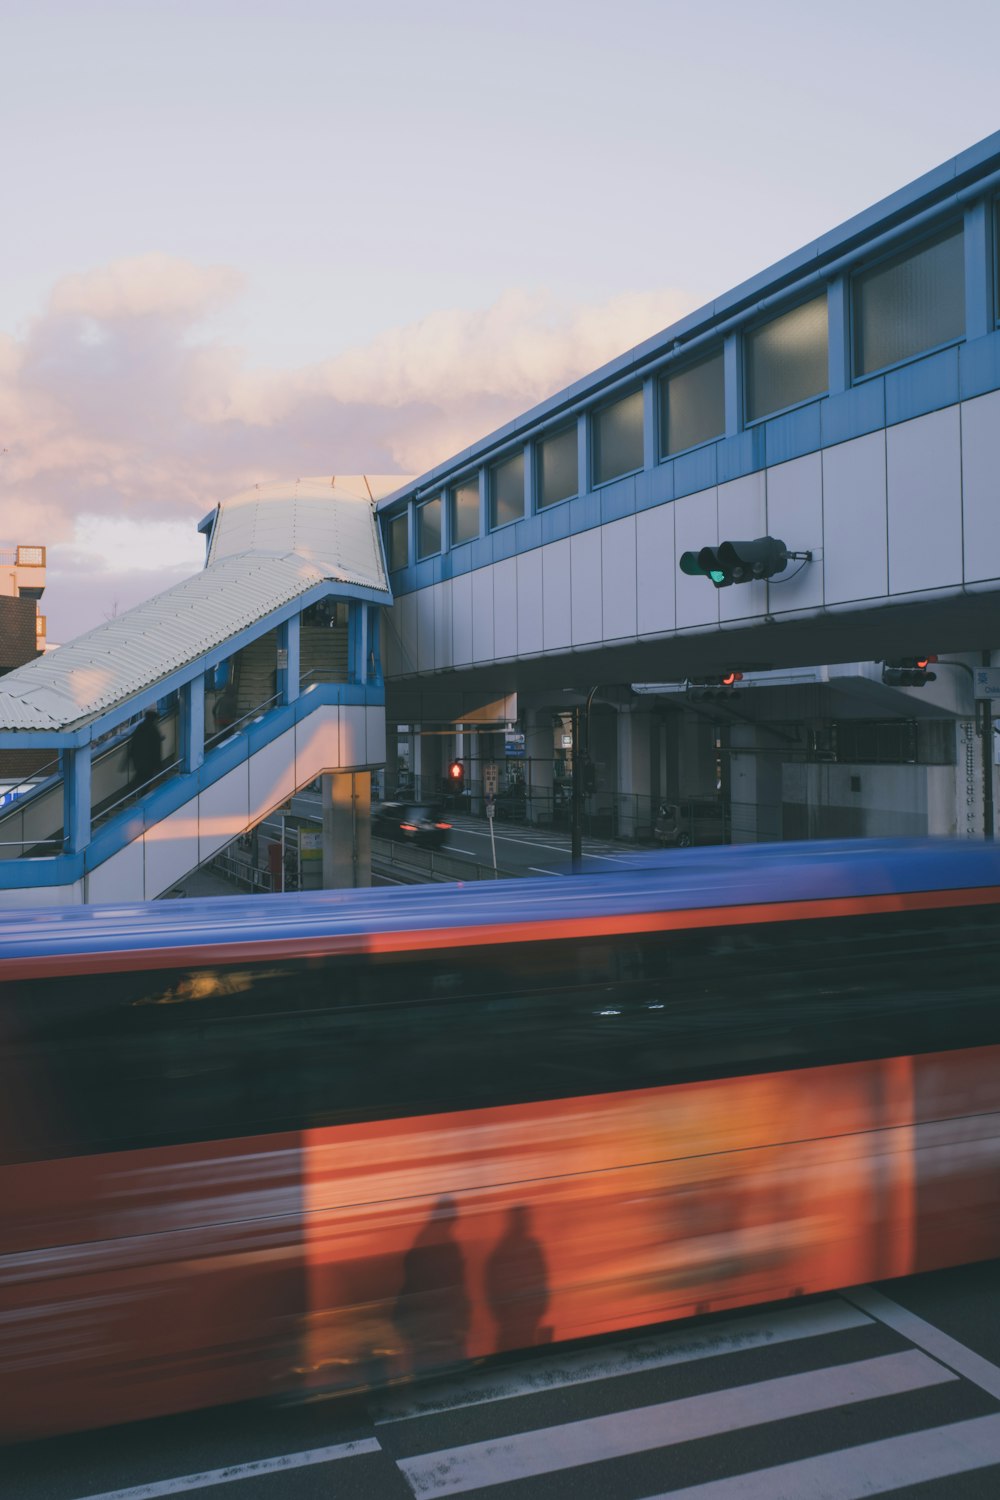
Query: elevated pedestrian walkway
{"x": 263, "y": 672}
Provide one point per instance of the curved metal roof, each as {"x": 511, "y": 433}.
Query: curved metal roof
{"x": 269, "y": 545}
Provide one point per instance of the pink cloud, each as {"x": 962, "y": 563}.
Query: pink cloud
{"x": 109, "y": 407}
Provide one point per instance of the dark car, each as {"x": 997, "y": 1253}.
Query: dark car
{"x": 697, "y": 820}
{"x": 411, "y": 823}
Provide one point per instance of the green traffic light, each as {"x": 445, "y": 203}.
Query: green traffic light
{"x": 691, "y": 565}
{"x": 716, "y": 577}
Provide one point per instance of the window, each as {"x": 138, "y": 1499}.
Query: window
{"x": 786, "y": 359}
{"x": 399, "y": 549}
{"x": 429, "y": 527}
{"x": 507, "y": 491}
{"x": 558, "y": 468}
{"x": 465, "y": 511}
{"x": 910, "y": 303}
{"x": 692, "y": 405}
{"x": 618, "y": 439}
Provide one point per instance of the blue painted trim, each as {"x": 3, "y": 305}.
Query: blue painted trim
{"x": 180, "y": 789}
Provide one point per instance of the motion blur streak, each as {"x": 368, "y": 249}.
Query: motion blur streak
{"x": 327, "y": 1141}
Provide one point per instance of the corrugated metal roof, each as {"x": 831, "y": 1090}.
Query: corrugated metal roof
{"x": 270, "y": 545}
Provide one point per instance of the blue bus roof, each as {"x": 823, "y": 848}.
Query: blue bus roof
{"x": 718, "y": 877}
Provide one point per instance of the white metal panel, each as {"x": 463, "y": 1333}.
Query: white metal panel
{"x": 855, "y": 548}
{"x": 742, "y": 517}
{"x": 461, "y": 619}
{"x": 443, "y": 626}
{"x": 924, "y": 469}
{"x": 795, "y": 515}
{"x": 171, "y": 849}
{"x": 374, "y": 736}
{"x": 981, "y": 486}
{"x": 618, "y": 579}
{"x": 317, "y": 744}
{"x": 696, "y": 525}
{"x": 223, "y": 810}
{"x": 272, "y": 774}
{"x": 353, "y": 736}
{"x": 529, "y": 603}
{"x": 483, "y": 646}
{"x": 656, "y": 560}
{"x": 119, "y": 878}
{"x": 505, "y": 608}
{"x": 556, "y": 606}
{"x": 585, "y": 574}
{"x": 425, "y": 627}
{"x": 28, "y": 896}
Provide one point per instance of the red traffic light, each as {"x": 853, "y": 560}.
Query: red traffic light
{"x": 456, "y": 771}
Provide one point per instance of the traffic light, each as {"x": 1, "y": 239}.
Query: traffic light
{"x": 456, "y": 776}
{"x": 589, "y": 778}
{"x": 738, "y": 562}
{"x": 908, "y": 671}
{"x": 714, "y": 687}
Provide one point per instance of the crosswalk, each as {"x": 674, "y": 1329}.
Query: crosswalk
{"x": 835, "y": 1398}
{"x": 664, "y": 1418}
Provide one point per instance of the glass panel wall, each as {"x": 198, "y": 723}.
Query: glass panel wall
{"x": 785, "y": 360}
{"x": 913, "y": 302}
{"x": 429, "y": 527}
{"x": 558, "y": 467}
{"x": 465, "y": 511}
{"x": 507, "y": 491}
{"x": 618, "y": 438}
{"x": 692, "y": 405}
{"x": 399, "y": 550}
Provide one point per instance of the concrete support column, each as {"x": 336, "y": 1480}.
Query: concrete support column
{"x": 192, "y": 727}
{"x": 538, "y": 748}
{"x": 347, "y": 847}
{"x": 754, "y": 787}
{"x": 76, "y": 798}
{"x": 635, "y": 766}
{"x": 289, "y": 659}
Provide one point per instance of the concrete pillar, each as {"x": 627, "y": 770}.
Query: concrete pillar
{"x": 754, "y": 787}
{"x": 635, "y": 763}
{"x": 347, "y": 847}
{"x": 538, "y": 748}
{"x": 289, "y": 660}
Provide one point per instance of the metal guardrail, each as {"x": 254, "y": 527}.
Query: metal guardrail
{"x": 432, "y": 863}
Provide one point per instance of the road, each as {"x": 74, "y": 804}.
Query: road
{"x": 878, "y": 1390}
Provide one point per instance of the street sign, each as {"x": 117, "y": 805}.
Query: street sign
{"x": 986, "y": 683}
{"x": 491, "y": 779}
{"x": 491, "y": 808}
{"x": 513, "y": 744}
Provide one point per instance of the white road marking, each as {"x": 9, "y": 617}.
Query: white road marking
{"x": 478, "y": 1389}
{"x": 282, "y": 1464}
{"x": 547, "y": 1450}
{"x": 535, "y": 870}
{"x": 541, "y": 844}
{"x": 941, "y": 1345}
{"x": 870, "y": 1469}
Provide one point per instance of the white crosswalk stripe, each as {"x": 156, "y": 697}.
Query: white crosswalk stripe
{"x": 572, "y": 1444}
{"x": 881, "y": 1385}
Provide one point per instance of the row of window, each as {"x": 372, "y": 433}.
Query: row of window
{"x": 904, "y": 306}
{"x": 106, "y": 1061}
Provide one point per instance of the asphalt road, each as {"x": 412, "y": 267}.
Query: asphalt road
{"x": 879, "y": 1390}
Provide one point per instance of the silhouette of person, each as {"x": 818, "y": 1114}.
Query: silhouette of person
{"x": 432, "y": 1309}
{"x": 517, "y": 1284}
{"x": 145, "y": 748}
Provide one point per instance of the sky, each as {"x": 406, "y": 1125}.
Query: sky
{"x": 251, "y": 241}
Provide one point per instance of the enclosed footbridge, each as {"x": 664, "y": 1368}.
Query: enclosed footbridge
{"x": 263, "y": 672}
